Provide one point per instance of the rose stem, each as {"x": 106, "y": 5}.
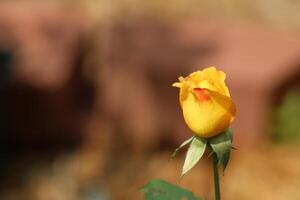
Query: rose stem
{"x": 216, "y": 176}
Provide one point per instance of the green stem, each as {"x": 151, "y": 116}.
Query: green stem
{"x": 216, "y": 176}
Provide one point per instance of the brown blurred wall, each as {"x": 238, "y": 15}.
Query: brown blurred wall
{"x": 139, "y": 59}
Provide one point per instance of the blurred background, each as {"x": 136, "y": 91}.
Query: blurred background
{"x": 88, "y": 112}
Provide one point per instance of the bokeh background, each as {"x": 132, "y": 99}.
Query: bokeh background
{"x": 88, "y": 112}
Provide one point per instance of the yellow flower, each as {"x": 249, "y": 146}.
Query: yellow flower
{"x": 207, "y": 107}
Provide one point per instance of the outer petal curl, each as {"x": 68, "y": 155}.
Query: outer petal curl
{"x": 206, "y": 112}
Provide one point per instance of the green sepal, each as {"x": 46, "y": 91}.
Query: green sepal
{"x": 194, "y": 153}
{"x": 188, "y": 141}
{"x": 161, "y": 190}
{"x": 222, "y": 145}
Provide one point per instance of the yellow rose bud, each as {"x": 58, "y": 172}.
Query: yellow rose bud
{"x": 207, "y": 107}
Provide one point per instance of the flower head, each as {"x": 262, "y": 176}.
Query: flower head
{"x": 205, "y": 100}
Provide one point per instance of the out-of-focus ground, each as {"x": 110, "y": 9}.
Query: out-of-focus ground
{"x": 88, "y": 111}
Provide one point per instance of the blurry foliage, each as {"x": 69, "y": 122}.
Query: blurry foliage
{"x": 286, "y": 126}
{"x": 162, "y": 190}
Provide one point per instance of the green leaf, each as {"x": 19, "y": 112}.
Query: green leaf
{"x": 222, "y": 145}
{"x": 188, "y": 141}
{"x": 162, "y": 190}
{"x": 195, "y": 152}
